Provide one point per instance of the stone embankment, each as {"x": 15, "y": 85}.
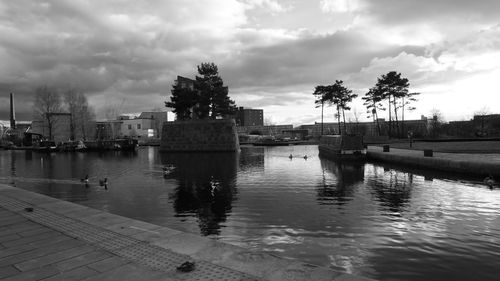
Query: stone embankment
{"x": 466, "y": 163}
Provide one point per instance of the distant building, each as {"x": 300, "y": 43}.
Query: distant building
{"x": 184, "y": 82}
{"x": 249, "y": 117}
{"x": 486, "y": 125}
{"x": 146, "y": 125}
{"x": 419, "y": 128}
{"x": 138, "y": 128}
{"x": 158, "y": 118}
{"x": 108, "y": 130}
{"x": 274, "y": 130}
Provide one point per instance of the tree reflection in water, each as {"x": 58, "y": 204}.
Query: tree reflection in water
{"x": 391, "y": 187}
{"x": 347, "y": 175}
{"x": 252, "y": 159}
{"x": 206, "y": 186}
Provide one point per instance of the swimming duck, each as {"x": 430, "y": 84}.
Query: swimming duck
{"x": 85, "y": 180}
{"x": 104, "y": 183}
{"x": 489, "y": 181}
{"x": 165, "y": 171}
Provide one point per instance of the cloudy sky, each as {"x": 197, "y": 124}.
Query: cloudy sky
{"x": 125, "y": 55}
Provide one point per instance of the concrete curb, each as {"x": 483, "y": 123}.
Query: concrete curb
{"x": 440, "y": 161}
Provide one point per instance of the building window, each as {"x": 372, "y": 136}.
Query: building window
{"x": 138, "y": 126}
{"x": 130, "y": 126}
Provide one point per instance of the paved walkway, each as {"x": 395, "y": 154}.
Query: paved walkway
{"x": 42, "y": 238}
{"x": 479, "y": 164}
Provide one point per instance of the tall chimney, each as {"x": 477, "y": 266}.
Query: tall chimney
{"x": 12, "y": 112}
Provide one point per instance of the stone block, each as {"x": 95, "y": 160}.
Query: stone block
{"x": 200, "y": 136}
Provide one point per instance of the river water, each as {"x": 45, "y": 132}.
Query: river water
{"x": 378, "y": 221}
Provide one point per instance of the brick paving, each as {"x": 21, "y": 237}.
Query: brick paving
{"x": 34, "y": 252}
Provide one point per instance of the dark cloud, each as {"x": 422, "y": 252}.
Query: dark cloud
{"x": 127, "y": 54}
{"x": 312, "y": 61}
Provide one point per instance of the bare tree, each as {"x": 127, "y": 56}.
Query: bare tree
{"x": 481, "y": 113}
{"x": 81, "y": 113}
{"x": 112, "y": 111}
{"x": 47, "y": 102}
{"x": 70, "y": 98}
{"x": 268, "y": 121}
{"x": 356, "y": 114}
{"x": 436, "y": 122}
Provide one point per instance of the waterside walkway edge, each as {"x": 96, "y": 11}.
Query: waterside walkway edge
{"x": 466, "y": 163}
{"x": 43, "y": 238}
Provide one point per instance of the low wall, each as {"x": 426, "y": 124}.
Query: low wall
{"x": 464, "y": 166}
{"x": 200, "y": 136}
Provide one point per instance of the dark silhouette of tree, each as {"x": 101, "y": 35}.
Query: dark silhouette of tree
{"x": 481, "y": 114}
{"x": 321, "y": 93}
{"x": 182, "y": 101}
{"x": 436, "y": 122}
{"x": 406, "y": 102}
{"x": 346, "y": 97}
{"x": 395, "y": 89}
{"x": 373, "y": 102}
{"x": 47, "y": 102}
{"x": 213, "y": 98}
{"x": 208, "y": 99}
{"x": 340, "y": 96}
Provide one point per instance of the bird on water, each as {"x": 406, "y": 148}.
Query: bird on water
{"x": 489, "y": 181}
{"x": 104, "y": 183}
{"x": 85, "y": 180}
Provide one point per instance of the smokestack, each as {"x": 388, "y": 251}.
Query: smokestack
{"x": 12, "y": 112}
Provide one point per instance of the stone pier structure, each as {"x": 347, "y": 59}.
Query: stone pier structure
{"x": 200, "y": 136}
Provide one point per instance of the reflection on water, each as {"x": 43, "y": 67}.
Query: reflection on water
{"x": 206, "y": 186}
{"x": 393, "y": 191}
{"x": 252, "y": 160}
{"x": 346, "y": 175}
{"x": 380, "y": 221}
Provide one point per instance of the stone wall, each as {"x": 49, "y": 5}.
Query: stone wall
{"x": 200, "y": 136}
{"x": 417, "y": 159}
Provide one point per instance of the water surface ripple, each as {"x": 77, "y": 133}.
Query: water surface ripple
{"x": 368, "y": 219}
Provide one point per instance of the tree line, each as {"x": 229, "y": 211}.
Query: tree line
{"x": 50, "y": 101}
{"x": 391, "y": 93}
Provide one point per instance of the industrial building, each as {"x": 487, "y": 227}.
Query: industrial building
{"x": 249, "y": 117}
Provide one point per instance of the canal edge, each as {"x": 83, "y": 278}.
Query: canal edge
{"x": 138, "y": 241}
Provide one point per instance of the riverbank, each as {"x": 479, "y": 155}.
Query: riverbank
{"x": 467, "y": 163}
{"x": 43, "y": 237}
